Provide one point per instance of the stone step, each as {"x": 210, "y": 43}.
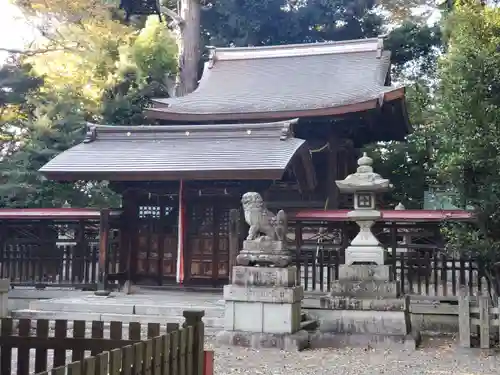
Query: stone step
{"x": 358, "y": 321}
{"x": 124, "y": 318}
{"x": 372, "y": 304}
{"x": 121, "y": 308}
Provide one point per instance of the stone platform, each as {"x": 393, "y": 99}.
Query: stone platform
{"x": 363, "y": 308}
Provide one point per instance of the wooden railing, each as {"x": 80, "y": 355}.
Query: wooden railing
{"x": 148, "y": 350}
{"x": 479, "y": 316}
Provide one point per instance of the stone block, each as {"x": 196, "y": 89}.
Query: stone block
{"x": 263, "y": 294}
{"x": 262, "y": 317}
{"x": 365, "y": 289}
{"x": 264, "y": 276}
{"x": 264, "y": 246}
{"x": 359, "y": 272}
{"x": 364, "y": 322}
{"x": 369, "y": 304}
{"x": 287, "y": 342}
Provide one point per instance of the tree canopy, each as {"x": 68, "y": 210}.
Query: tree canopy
{"x": 94, "y": 66}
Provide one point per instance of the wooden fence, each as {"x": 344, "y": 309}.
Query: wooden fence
{"x": 478, "y": 317}
{"x": 28, "y": 348}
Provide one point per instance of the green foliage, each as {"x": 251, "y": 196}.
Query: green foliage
{"x": 268, "y": 22}
{"x": 409, "y": 165}
{"x": 96, "y": 70}
{"x": 468, "y": 115}
{"x": 416, "y": 44}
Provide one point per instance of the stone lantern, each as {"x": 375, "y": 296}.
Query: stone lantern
{"x": 365, "y": 184}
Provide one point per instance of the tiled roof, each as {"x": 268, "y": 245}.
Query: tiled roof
{"x": 286, "y": 78}
{"x": 239, "y": 151}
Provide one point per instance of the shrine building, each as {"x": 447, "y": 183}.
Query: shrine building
{"x": 285, "y": 121}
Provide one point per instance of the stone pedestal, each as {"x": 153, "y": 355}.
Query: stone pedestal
{"x": 264, "y": 252}
{"x": 263, "y": 309}
{"x": 364, "y": 308}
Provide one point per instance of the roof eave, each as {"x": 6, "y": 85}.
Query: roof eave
{"x": 72, "y": 175}
{"x": 169, "y": 114}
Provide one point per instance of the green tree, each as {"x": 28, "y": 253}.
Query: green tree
{"x": 94, "y": 70}
{"x": 468, "y": 117}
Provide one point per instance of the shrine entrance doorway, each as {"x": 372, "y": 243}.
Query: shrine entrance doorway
{"x": 157, "y": 240}
{"x": 207, "y": 245}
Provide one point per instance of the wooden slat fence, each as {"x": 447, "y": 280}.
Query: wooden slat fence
{"x": 478, "y": 316}
{"x": 100, "y": 348}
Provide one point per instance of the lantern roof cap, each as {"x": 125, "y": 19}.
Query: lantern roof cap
{"x": 364, "y": 179}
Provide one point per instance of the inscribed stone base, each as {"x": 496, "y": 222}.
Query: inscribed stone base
{"x": 364, "y": 254}
{"x": 392, "y": 323}
{"x": 365, "y": 289}
{"x": 258, "y": 340}
{"x": 264, "y": 276}
{"x": 352, "y": 303}
{"x": 359, "y": 272}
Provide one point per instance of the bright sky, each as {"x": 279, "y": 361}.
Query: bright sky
{"x": 15, "y": 32}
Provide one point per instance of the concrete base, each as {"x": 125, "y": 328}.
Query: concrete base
{"x": 288, "y": 342}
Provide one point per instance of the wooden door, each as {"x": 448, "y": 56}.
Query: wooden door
{"x": 208, "y": 242}
{"x": 157, "y": 240}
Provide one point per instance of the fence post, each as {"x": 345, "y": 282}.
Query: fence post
{"x": 484, "y": 321}
{"x": 4, "y": 297}
{"x": 464, "y": 318}
{"x": 194, "y": 319}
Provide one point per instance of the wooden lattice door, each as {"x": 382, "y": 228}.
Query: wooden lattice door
{"x": 208, "y": 242}
{"x": 157, "y": 239}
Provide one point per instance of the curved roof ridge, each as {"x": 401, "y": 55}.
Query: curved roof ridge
{"x": 292, "y": 50}
{"x": 275, "y": 125}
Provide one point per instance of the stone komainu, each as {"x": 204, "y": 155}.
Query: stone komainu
{"x": 261, "y": 220}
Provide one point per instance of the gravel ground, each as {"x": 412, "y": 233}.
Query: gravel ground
{"x": 437, "y": 357}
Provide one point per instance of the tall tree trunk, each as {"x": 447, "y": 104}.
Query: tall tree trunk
{"x": 189, "y": 47}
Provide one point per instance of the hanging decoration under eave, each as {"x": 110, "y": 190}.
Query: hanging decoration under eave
{"x": 140, "y": 8}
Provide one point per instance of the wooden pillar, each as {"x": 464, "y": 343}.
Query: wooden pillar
{"x": 129, "y": 227}
{"x": 103, "y": 252}
{"x": 332, "y": 190}
{"x": 234, "y": 242}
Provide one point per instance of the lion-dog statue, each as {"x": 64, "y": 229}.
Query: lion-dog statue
{"x": 261, "y": 220}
